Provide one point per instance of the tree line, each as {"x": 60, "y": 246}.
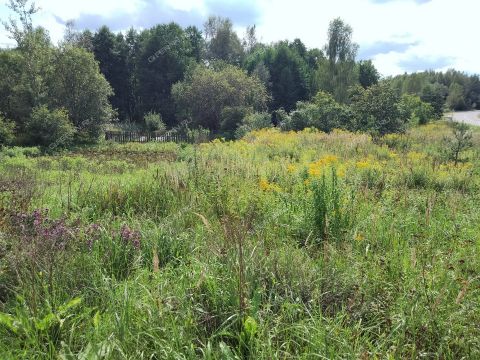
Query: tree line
{"x": 169, "y": 77}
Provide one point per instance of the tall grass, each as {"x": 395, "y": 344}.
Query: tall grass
{"x": 280, "y": 245}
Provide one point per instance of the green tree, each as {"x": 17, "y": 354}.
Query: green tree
{"x": 222, "y": 41}
{"x": 377, "y": 109}
{"x": 338, "y": 71}
{"x": 164, "y": 57}
{"x": 367, "y": 73}
{"x": 455, "y": 99}
{"x": 77, "y": 85}
{"x": 50, "y": 128}
{"x": 24, "y": 71}
{"x": 434, "y": 94}
{"x": 111, "y": 51}
{"x": 417, "y": 111}
{"x": 7, "y": 131}
{"x": 231, "y": 119}
{"x": 323, "y": 113}
{"x": 205, "y": 93}
{"x": 197, "y": 43}
{"x": 459, "y": 142}
{"x": 288, "y": 74}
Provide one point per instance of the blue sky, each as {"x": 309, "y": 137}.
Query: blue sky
{"x": 399, "y": 35}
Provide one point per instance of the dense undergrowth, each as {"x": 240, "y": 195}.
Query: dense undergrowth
{"x": 280, "y": 245}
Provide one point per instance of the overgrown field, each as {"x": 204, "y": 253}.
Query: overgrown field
{"x": 278, "y": 246}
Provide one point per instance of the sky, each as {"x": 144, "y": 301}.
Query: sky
{"x": 398, "y": 35}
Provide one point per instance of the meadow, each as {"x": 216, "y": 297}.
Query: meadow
{"x": 281, "y": 245}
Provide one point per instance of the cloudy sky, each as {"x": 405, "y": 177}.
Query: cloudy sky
{"x": 399, "y": 35}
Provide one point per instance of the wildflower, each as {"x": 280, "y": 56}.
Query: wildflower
{"x": 266, "y": 186}
{"x": 316, "y": 168}
{"x": 130, "y": 236}
{"x": 415, "y": 156}
{"x": 359, "y": 237}
{"x": 365, "y": 164}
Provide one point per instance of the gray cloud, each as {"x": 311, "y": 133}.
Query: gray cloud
{"x": 417, "y": 63}
{"x": 384, "y": 47}
{"x": 156, "y": 12}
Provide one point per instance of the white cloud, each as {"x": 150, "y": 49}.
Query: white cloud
{"x": 438, "y": 31}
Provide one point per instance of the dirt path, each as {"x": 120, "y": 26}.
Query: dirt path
{"x": 469, "y": 117}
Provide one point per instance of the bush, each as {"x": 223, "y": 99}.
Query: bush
{"x": 50, "y": 128}
{"x": 458, "y": 143}
{"x": 255, "y": 121}
{"x": 232, "y": 118}
{"x": 6, "y": 131}
{"x": 323, "y": 113}
{"x": 377, "y": 109}
{"x": 417, "y": 111}
{"x": 154, "y": 122}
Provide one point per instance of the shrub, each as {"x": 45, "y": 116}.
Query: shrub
{"x": 323, "y": 113}
{"x": 50, "y": 128}
{"x": 6, "y": 131}
{"x": 377, "y": 109}
{"x": 417, "y": 111}
{"x": 255, "y": 121}
{"x": 154, "y": 122}
{"x": 458, "y": 143}
{"x": 231, "y": 119}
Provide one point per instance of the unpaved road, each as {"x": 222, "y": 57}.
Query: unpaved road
{"x": 469, "y": 117}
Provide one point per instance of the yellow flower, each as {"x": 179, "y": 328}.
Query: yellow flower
{"x": 365, "y": 164}
{"x": 359, "y": 237}
{"x": 316, "y": 168}
{"x": 291, "y": 168}
{"x": 415, "y": 156}
{"x": 266, "y": 186}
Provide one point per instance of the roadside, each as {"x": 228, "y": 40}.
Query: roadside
{"x": 468, "y": 117}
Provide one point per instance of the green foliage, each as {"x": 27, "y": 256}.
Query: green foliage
{"x": 205, "y": 93}
{"x": 163, "y": 56}
{"x": 435, "y": 96}
{"x": 455, "y": 99}
{"x": 78, "y": 86}
{"x": 112, "y": 52}
{"x": 50, "y": 128}
{"x": 7, "y": 131}
{"x": 330, "y": 215}
{"x": 222, "y": 41}
{"x": 417, "y": 111}
{"x": 463, "y": 90}
{"x": 376, "y": 109}
{"x": 284, "y": 71}
{"x": 153, "y": 122}
{"x": 459, "y": 141}
{"x": 367, "y": 73}
{"x": 323, "y": 113}
{"x": 338, "y": 72}
{"x": 231, "y": 119}
{"x": 253, "y": 121}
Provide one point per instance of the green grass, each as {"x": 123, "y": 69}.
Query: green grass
{"x": 280, "y": 245}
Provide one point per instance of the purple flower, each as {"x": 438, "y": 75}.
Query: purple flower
{"x": 129, "y": 236}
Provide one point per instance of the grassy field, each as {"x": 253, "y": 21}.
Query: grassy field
{"x": 278, "y": 246}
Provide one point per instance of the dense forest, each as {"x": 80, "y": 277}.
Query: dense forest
{"x": 169, "y": 77}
